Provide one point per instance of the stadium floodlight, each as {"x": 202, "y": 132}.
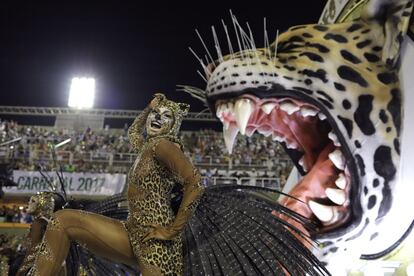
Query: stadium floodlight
{"x": 82, "y": 93}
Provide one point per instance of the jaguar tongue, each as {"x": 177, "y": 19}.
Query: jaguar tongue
{"x": 321, "y": 176}
{"x": 312, "y": 187}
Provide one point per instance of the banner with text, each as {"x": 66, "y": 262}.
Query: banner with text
{"x": 90, "y": 184}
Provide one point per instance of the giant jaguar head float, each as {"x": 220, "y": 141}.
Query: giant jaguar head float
{"x": 330, "y": 94}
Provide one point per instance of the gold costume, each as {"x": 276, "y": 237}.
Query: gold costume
{"x": 41, "y": 207}
{"x": 150, "y": 237}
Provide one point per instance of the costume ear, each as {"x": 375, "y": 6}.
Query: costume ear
{"x": 184, "y": 108}
{"x": 394, "y": 17}
{"x": 159, "y": 96}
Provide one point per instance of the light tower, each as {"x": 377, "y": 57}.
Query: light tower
{"x": 82, "y": 93}
{"x": 81, "y": 98}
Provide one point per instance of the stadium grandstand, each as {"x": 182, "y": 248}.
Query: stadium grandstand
{"x": 97, "y": 154}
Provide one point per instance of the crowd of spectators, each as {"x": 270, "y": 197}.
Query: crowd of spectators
{"x": 10, "y": 242}
{"x": 14, "y": 214}
{"x": 35, "y": 141}
{"x": 11, "y": 249}
{"x": 247, "y": 150}
{"x": 204, "y": 147}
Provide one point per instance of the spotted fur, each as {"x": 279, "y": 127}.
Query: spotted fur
{"x": 349, "y": 71}
{"x": 149, "y": 198}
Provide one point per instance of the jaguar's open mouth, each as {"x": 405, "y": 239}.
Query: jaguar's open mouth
{"x": 313, "y": 143}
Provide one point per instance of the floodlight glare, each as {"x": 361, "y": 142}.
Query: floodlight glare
{"x": 82, "y": 93}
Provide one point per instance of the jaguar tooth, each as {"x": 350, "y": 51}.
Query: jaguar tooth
{"x": 220, "y": 109}
{"x": 290, "y": 145}
{"x": 278, "y": 138}
{"x": 338, "y": 159}
{"x": 226, "y": 107}
{"x": 307, "y": 111}
{"x": 226, "y": 123}
{"x": 341, "y": 181}
{"x": 265, "y": 132}
{"x": 268, "y": 107}
{"x": 321, "y": 116}
{"x": 250, "y": 132}
{"x": 336, "y": 195}
{"x": 302, "y": 163}
{"x": 243, "y": 109}
{"x": 322, "y": 212}
{"x": 334, "y": 138}
{"x": 229, "y": 135}
{"x": 230, "y": 107}
{"x": 289, "y": 107}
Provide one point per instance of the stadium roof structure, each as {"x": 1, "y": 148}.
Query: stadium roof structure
{"x": 105, "y": 113}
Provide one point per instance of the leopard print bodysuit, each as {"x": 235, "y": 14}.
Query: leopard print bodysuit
{"x": 150, "y": 237}
{"x": 151, "y": 181}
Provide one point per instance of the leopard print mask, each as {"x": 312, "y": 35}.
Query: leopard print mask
{"x": 159, "y": 114}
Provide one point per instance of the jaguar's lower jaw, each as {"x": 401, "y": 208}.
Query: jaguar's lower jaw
{"x": 319, "y": 199}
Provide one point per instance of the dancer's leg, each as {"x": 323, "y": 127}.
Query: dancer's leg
{"x": 103, "y": 236}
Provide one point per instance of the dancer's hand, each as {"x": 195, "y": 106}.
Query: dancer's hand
{"x": 159, "y": 232}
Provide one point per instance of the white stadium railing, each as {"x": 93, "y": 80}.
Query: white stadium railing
{"x": 125, "y": 159}
{"x": 266, "y": 182}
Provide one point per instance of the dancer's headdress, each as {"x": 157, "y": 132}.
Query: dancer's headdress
{"x": 179, "y": 110}
{"x": 45, "y": 204}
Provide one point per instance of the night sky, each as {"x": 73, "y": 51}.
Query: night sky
{"x": 132, "y": 50}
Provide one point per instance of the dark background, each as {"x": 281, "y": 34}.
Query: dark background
{"x": 132, "y": 50}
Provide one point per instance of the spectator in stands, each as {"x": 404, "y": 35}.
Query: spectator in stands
{"x": 25, "y": 217}
{"x": 253, "y": 177}
{"x": 16, "y": 214}
{"x": 9, "y": 214}
{"x": 3, "y": 213}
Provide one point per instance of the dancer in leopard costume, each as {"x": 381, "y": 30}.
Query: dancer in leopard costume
{"x": 150, "y": 237}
